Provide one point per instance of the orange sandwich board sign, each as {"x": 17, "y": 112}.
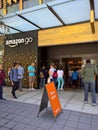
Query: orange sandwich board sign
{"x": 50, "y": 93}
{"x": 53, "y": 97}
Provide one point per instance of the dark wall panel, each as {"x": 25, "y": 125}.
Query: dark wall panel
{"x": 21, "y": 48}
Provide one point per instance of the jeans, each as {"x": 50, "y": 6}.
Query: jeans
{"x": 60, "y": 82}
{"x": 90, "y": 84}
{"x": 14, "y": 88}
{"x": 75, "y": 83}
{"x": 20, "y": 83}
{"x": 42, "y": 82}
{"x": 55, "y": 81}
{"x": 1, "y": 92}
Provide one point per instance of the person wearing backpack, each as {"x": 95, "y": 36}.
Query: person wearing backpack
{"x": 55, "y": 76}
{"x": 60, "y": 78}
{"x": 51, "y": 70}
{"x": 51, "y": 73}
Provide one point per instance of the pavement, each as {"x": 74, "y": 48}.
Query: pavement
{"x": 21, "y": 113}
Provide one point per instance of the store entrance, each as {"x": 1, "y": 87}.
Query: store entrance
{"x": 71, "y": 64}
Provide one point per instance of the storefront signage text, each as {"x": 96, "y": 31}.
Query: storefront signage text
{"x": 16, "y": 42}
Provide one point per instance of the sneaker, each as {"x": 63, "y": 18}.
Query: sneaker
{"x": 33, "y": 89}
{"x": 29, "y": 89}
{"x": 15, "y": 97}
{"x": 2, "y": 99}
{"x": 85, "y": 102}
{"x": 94, "y": 104}
{"x": 61, "y": 89}
{"x": 20, "y": 89}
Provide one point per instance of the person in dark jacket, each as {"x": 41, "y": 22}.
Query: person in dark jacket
{"x": 43, "y": 77}
{"x": 2, "y": 76}
{"x": 14, "y": 79}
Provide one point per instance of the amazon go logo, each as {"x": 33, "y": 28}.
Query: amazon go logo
{"x": 28, "y": 40}
{"x": 16, "y": 42}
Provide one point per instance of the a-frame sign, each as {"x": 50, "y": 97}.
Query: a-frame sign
{"x": 50, "y": 93}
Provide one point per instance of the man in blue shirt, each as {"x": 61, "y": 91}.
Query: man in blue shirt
{"x": 14, "y": 79}
{"x": 32, "y": 71}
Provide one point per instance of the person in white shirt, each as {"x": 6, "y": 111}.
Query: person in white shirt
{"x": 60, "y": 78}
{"x": 20, "y": 76}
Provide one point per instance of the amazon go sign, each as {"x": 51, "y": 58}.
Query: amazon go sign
{"x": 16, "y": 42}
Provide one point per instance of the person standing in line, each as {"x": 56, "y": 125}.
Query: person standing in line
{"x": 75, "y": 77}
{"x": 32, "y": 77}
{"x": 80, "y": 79}
{"x": 51, "y": 71}
{"x": 2, "y": 76}
{"x": 70, "y": 77}
{"x": 9, "y": 69}
{"x": 20, "y": 76}
{"x": 55, "y": 76}
{"x": 14, "y": 79}
{"x": 43, "y": 77}
{"x": 60, "y": 78}
{"x": 88, "y": 73}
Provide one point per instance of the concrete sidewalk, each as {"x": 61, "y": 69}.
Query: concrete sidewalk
{"x": 69, "y": 99}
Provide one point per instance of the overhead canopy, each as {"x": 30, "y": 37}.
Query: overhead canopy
{"x": 72, "y": 11}
{"x": 53, "y": 14}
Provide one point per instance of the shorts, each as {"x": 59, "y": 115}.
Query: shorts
{"x": 32, "y": 79}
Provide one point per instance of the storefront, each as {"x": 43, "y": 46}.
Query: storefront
{"x": 69, "y": 42}
{"x": 67, "y": 34}
{"x": 69, "y": 46}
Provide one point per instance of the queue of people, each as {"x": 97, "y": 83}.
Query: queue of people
{"x": 84, "y": 78}
{"x": 54, "y": 74}
{"x": 15, "y": 76}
